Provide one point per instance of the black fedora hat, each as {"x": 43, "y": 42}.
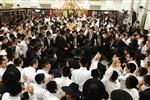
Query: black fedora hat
{"x": 78, "y": 52}
{"x": 96, "y": 88}
{"x": 72, "y": 89}
{"x": 120, "y": 95}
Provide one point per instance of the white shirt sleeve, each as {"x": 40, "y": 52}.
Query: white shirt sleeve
{"x": 32, "y": 97}
{"x": 94, "y": 65}
{"x": 5, "y": 96}
{"x": 108, "y": 73}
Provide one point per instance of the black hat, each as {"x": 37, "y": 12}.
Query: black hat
{"x": 11, "y": 75}
{"x": 78, "y": 52}
{"x": 120, "y": 95}
{"x": 96, "y": 88}
{"x": 35, "y": 43}
{"x": 56, "y": 73}
{"x": 72, "y": 89}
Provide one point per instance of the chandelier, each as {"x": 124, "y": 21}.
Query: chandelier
{"x": 71, "y": 7}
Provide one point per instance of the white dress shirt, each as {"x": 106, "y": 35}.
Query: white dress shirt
{"x": 134, "y": 62}
{"x": 24, "y": 47}
{"x": 80, "y": 75}
{"x": 5, "y": 28}
{"x": 30, "y": 73}
{"x": 140, "y": 41}
{"x": 39, "y": 91}
{"x": 18, "y": 50}
{"x": 50, "y": 96}
{"x": 127, "y": 42}
{"x": 47, "y": 76}
{"x": 7, "y": 96}
{"x": 62, "y": 81}
{"x": 20, "y": 69}
{"x": 94, "y": 65}
{"x": 144, "y": 87}
{"x": 144, "y": 49}
{"x": 10, "y": 62}
{"x": 122, "y": 79}
{"x": 140, "y": 78}
{"x": 134, "y": 93}
{"x": 109, "y": 72}
{"x": 2, "y": 70}
{"x": 143, "y": 63}
{"x": 110, "y": 86}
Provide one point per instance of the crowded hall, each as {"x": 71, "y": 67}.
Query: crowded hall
{"x": 74, "y": 49}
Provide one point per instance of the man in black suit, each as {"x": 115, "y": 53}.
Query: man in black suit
{"x": 73, "y": 42}
{"x": 99, "y": 37}
{"x": 145, "y": 94}
{"x": 62, "y": 47}
{"x": 80, "y": 39}
{"x": 134, "y": 17}
{"x": 47, "y": 39}
{"x": 117, "y": 45}
{"x": 33, "y": 51}
{"x": 92, "y": 36}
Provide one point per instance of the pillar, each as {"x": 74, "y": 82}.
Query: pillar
{"x": 147, "y": 22}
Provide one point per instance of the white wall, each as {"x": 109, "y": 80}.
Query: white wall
{"x": 1, "y": 1}
{"x": 34, "y": 3}
{"x": 136, "y": 5}
{"x": 25, "y": 4}
{"x": 29, "y": 3}
{"x": 107, "y": 5}
{"x": 16, "y": 2}
{"x": 116, "y": 4}
{"x": 126, "y": 4}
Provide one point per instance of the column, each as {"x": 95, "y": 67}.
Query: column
{"x": 147, "y": 22}
{"x": 142, "y": 11}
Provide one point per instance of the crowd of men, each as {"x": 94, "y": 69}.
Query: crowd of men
{"x": 60, "y": 58}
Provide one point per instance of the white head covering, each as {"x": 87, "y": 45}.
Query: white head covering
{"x": 3, "y": 52}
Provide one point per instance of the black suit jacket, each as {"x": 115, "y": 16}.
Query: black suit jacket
{"x": 94, "y": 37}
{"x": 71, "y": 42}
{"x": 29, "y": 56}
{"x": 46, "y": 43}
{"x": 61, "y": 44}
{"x": 80, "y": 40}
{"x": 145, "y": 95}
